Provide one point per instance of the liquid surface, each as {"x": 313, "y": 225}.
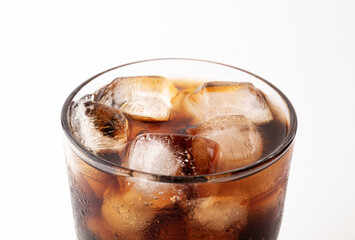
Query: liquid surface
{"x": 236, "y": 116}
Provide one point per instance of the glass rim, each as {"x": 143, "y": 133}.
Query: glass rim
{"x": 234, "y": 174}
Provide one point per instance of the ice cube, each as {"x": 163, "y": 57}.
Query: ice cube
{"x": 240, "y": 140}
{"x": 145, "y": 98}
{"x": 173, "y": 154}
{"x": 170, "y": 154}
{"x": 127, "y": 214}
{"x": 250, "y": 189}
{"x": 158, "y": 195}
{"x": 220, "y": 216}
{"x": 215, "y": 99}
{"x": 98, "y": 127}
{"x": 178, "y": 116}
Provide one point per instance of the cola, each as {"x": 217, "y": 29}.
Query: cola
{"x": 202, "y": 144}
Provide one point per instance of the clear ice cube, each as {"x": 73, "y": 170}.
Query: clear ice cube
{"x": 173, "y": 154}
{"x": 215, "y": 99}
{"x": 170, "y": 154}
{"x": 144, "y": 98}
{"x": 217, "y": 214}
{"x": 127, "y": 214}
{"x": 97, "y": 126}
{"x": 240, "y": 140}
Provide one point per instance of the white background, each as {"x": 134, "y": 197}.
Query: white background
{"x": 306, "y": 48}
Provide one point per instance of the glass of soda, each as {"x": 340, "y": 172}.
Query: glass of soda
{"x": 178, "y": 149}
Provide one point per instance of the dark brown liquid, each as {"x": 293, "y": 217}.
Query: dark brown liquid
{"x": 273, "y": 132}
{"x": 263, "y": 202}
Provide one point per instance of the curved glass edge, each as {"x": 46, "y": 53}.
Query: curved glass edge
{"x": 235, "y": 174}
